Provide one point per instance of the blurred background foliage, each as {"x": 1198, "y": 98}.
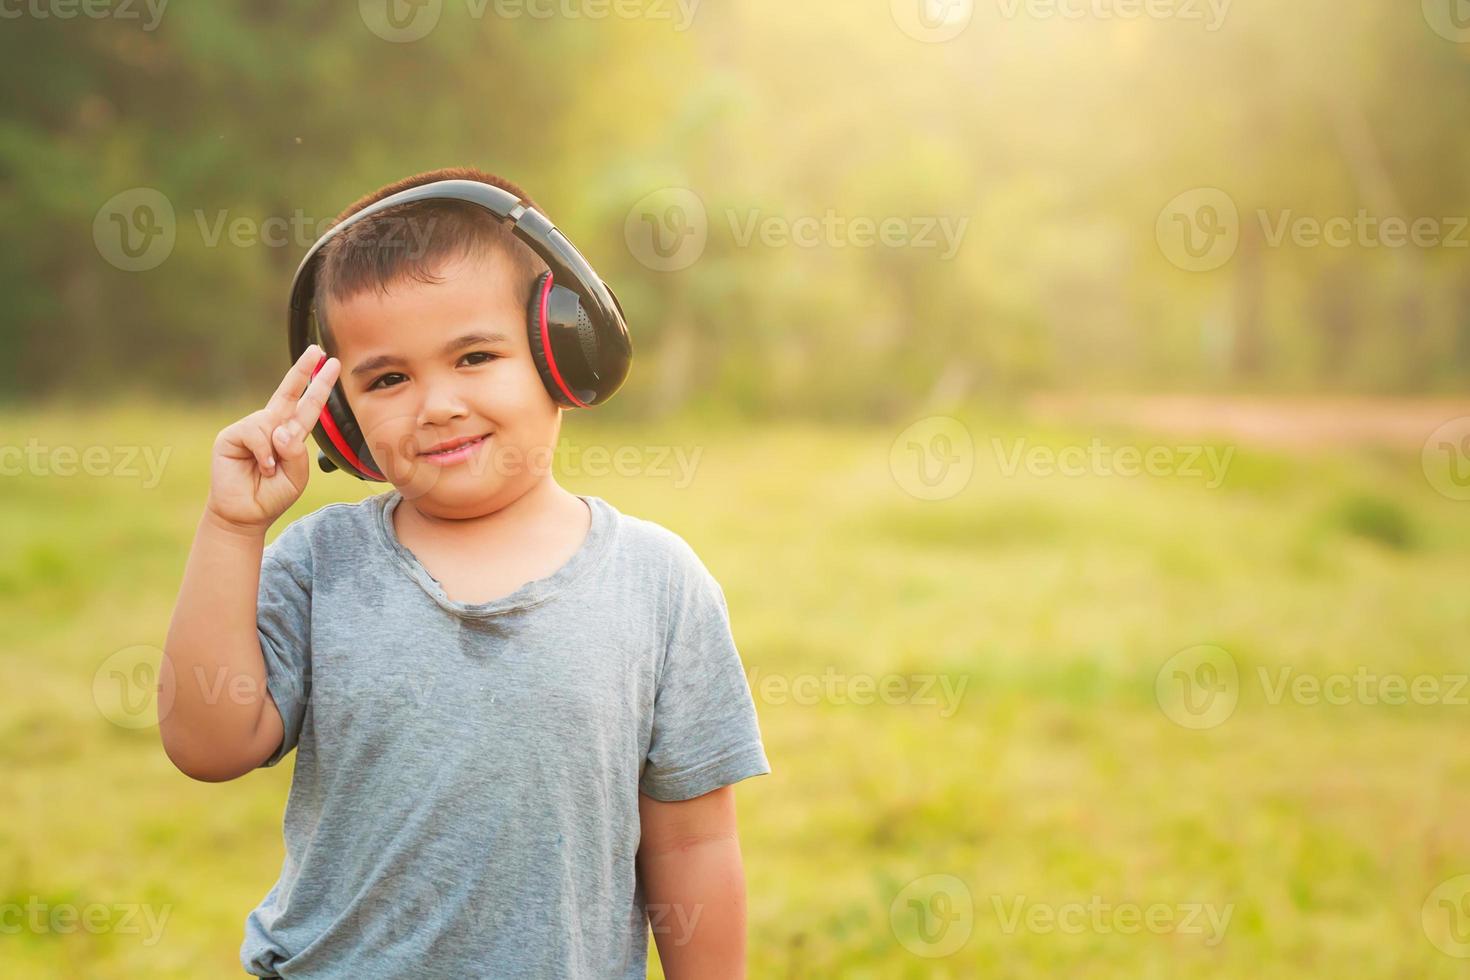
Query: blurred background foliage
{"x": 1058, "y": 140}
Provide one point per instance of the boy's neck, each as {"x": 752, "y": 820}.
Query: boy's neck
{"x": 544, "y": 503}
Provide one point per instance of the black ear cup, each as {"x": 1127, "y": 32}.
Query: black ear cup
{"x": 340, "y": 438}
{"x": 350, "y": 440}
{"x": 564, "y": 344}
{"x": 587, "y": 336}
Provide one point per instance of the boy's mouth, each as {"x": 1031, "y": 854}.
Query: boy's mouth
{"x": 454, "y": 450}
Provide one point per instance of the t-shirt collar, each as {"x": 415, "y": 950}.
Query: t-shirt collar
{"x": 530, "y": 594}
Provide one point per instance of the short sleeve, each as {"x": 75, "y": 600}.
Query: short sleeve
{"x": 705, "y": 732}
{"x": 283, "y": 623}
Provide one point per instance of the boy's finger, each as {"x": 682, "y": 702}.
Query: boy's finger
{"x": 254, "y": 438}
{"x": 309, "y": 409}
{"x": 288, "y": 393}
{"x": 288, "y": 439}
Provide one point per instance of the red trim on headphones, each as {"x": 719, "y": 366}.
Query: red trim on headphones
{"x": 546, "y": 347}
{"x": 334, "y": 434}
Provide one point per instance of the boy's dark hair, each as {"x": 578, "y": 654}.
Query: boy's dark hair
{"x": 411, "y": 241}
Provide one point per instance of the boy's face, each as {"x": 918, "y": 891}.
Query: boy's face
{"x": 428, "y": 363}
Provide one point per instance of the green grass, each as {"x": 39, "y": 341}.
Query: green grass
{"x": 1053, "y": 600}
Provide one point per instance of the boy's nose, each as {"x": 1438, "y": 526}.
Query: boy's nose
{"x": 441, "y": 404}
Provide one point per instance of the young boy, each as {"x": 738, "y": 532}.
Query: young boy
{"x": 517, "y": 712}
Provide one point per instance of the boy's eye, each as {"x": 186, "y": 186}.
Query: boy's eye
{"x": 384, "y": 381}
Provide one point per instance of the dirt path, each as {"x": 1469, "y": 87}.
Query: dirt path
{"x": 1281, "y": 422}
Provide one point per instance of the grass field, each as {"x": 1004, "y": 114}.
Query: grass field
{"x": 1026, "y": 792}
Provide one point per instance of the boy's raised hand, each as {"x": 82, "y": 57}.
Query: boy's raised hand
{"x": 260, "y": 463}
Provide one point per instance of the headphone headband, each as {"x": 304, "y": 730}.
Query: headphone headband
{"x": 530, "y": 226}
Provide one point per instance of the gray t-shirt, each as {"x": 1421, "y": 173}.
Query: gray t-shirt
{"x": 465, "y": 798}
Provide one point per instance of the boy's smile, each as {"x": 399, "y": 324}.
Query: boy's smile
{"x": 441, "y": 379}
{"x": 454, "y": 450}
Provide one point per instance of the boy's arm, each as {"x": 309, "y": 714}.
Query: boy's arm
{"x": 218, "y": 726}
{"x": 694, "y": 884}
{"x": 222, "y": 722}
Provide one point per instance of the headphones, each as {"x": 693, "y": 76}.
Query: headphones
{"x": 579, "y": 339}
